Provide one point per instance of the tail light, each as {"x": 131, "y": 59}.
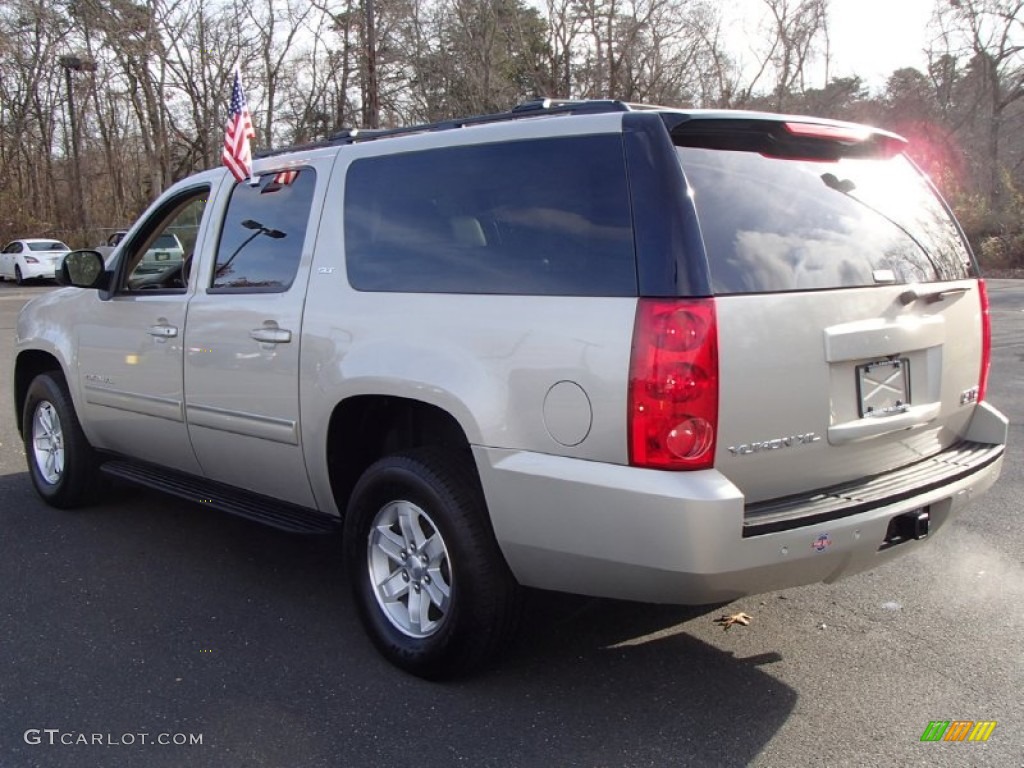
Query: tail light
{"x": 31, "y": 260}
{"x": 673, "y": 385}
{"x": 986, "y": 340}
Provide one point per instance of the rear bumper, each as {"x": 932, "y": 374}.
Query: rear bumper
{"x": 616, "y": 531}
{"x": 41, "y": 271}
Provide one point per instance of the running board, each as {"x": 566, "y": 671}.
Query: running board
{"x": 252, "y": 506}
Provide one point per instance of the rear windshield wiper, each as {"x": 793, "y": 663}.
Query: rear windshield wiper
{"x": 846, "y": 187}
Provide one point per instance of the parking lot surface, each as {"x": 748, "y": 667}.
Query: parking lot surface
{"x": 146, "y": 619}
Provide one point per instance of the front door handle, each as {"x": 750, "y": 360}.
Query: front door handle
{"x": 163, "y": 331}
{"x": 271, "y": 335}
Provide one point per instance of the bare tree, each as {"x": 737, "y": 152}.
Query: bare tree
{"x": 988, "y": 36}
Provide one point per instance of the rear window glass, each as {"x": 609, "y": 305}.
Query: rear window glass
{"x": 166, "y": 241}
{"x": 772, "y": 224}
{"x": 544, "y": 217}
{"x": 53, "y": 245}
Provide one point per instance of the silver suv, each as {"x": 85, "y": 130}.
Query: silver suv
{"x": 668, "y": 356}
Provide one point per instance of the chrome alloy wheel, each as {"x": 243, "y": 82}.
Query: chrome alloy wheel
{"x": 48, "y": 442}
{"x": 409, "y": 569}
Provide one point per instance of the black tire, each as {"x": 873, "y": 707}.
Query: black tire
{"x": 484, "y": 600}
{"x": 77, "y": 481}
{"x": 18, "y": 278}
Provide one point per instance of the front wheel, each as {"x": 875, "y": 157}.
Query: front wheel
{"x": 61, "y": 462}
{"x": 430, "y": 583}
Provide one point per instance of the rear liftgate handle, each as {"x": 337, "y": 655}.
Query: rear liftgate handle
{"x": 930, "y": 297}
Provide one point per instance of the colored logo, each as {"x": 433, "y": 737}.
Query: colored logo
{"x": 822, "y": 543}
{"x": 958, "y": 730}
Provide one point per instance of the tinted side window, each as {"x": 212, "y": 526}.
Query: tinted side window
{"x": 547, "y": 217}
{"x": 264, "y": 229}
{"x": 772, "y": 224}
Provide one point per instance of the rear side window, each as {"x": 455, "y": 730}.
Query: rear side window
{"x": 544, "y": 217}
{"x": 775, "y": 224}
{"x": 264, "y": 230}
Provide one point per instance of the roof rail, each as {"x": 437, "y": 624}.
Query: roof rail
{"x": 532, "y": 108}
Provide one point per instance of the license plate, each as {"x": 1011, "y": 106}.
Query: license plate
{"x": 163, "y": 257}
{"x": 883, "y": 387}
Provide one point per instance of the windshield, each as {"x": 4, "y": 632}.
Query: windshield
{"x": 52, "y": 245}
{"x": 166, "y": 241}
{"x": 775, "y": 224}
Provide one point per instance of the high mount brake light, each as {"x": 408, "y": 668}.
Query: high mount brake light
{"x": 830, "y": 132}
{"x": 673, "y": 385}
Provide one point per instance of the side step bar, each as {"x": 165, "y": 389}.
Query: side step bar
{"x": 252, "y": 506}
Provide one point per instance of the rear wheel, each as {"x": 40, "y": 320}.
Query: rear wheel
{"x": 62, "y": 464}
{"x": 430, "y": 583}
{"x": 17, "y": 275}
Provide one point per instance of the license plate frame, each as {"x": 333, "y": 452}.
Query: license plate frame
{"x": 883, "y": 387}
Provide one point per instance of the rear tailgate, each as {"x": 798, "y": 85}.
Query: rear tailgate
{"x": 820, "y": 388}
{"x": 849, "y": 317}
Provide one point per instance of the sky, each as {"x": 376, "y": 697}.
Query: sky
{"x": 870, "y": 38}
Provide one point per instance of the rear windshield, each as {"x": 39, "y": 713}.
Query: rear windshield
{"x": 53, "y": 245}
{"x": 777, "y": 224}
{"x": 166, "y": 241}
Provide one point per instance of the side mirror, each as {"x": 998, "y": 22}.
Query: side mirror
{"x": 83, "y": 269}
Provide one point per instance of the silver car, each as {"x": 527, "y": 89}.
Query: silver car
{"x": 164, "y": 253}
{"x": 660, "y": 355}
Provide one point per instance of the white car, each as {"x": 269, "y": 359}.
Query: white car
{"x": 31, "y": 259}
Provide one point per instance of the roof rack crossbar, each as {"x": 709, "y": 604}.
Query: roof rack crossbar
{"x": 531, "y": 108}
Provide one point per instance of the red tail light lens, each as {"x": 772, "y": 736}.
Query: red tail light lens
{"x": 986, "y": 340}
{"x": 673, "y": 385}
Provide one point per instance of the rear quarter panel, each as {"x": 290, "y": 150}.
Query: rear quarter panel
{"x": 489, "y": 361}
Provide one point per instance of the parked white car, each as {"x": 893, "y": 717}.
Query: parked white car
{"x": 31, "y": 259}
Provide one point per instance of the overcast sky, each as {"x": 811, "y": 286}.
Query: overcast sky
{"x": 869, "y": 38}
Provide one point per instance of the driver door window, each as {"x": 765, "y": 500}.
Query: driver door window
{"x": 160, "y": 257}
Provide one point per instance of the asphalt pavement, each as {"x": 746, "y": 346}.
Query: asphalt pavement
{"x": 148, "y": 620}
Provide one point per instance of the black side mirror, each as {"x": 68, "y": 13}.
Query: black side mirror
{"x": 83, "y": 269}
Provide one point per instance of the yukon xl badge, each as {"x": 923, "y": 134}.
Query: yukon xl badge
{"x": 746, "y": 449}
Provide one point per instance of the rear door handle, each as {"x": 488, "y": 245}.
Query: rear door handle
{"x": 163, "y": 331}
{"x": 271, "y": 335}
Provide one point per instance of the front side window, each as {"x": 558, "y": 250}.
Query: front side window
{"x": 775, "y": 224}
{"x": 264, "y": 231}
{"x": 159, "y": 257}
{"x": 543, "y": 217}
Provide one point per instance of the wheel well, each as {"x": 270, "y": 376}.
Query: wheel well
{"x": 367, "y": 427}
{"x": 30, "y": 364}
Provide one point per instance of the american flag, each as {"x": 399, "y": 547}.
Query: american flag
{"x": 281, "y": 180}
{"x": 237, "y": 154}
{"x": 284, "y": 178}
